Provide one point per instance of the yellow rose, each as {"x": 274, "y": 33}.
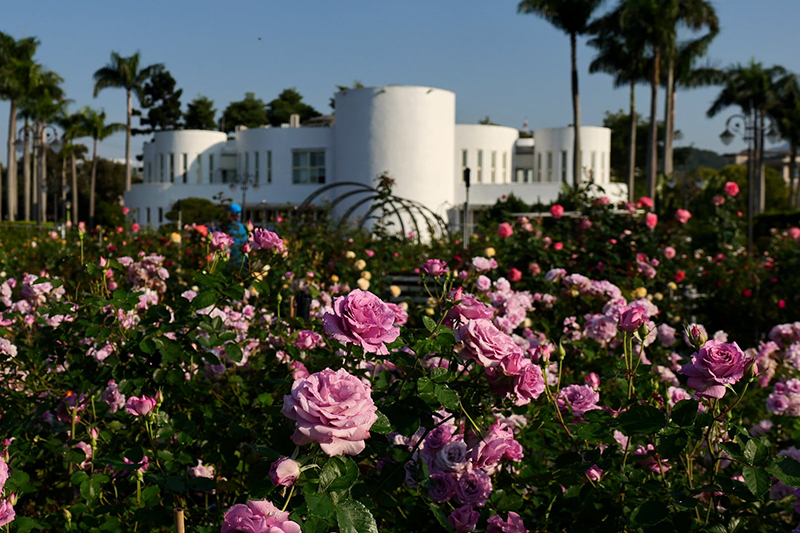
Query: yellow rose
{"x": 175, "y": 237}
{"x": 404, "y": 306}
{"x": 640, "y": 292}
{"x": 360, "y": 264}
{"x": 362, "y": 284}
{"x": 350, "y": 255}
{"x": 429, "y": 311}
{"x": 672, "y": 286}
{"x": 335, "y": 278}
{"x": 490, "y": 252}
{"x": 658, "y": 296}
{"x": 366, "y": 275}
{"x": 395, "y": 290}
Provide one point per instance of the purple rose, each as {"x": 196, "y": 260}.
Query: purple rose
{"x": 528, "y": 384}
{"x": 140, "y": 406}
{"x": 513, "y": 525}
{"x": 451, "y": 458}
{"x": 464, "y": 519}
{"x": 715, "y": 365}
{"x": 307, "y": 339}
{"x": 497, "y": 445}
{"x": 666, "y": 335}
{"x": 400, "y": 315}
{"x": 632, "y": 317}
{"x": 200, "y": 470}
{"x": 363, "y": 319}
{"x": 578, "y": 399}
{"x": 266, "y": 240}
{"x": 444, "y": 486}
{"x": 434, "y": 267}
{"x": 334, "y": 409}
{"x": 7, "y": 513}
{"x": 113, "y": 397}
{"x": 468, "y": 308}
{"x": 3, "y": 473}
{"x": 284, "y": 471}
{"x": 482, "y": 341}
{"x": 221, "y": 241}
{"x": 258, "y": 517}
{"x": 601, "y": 328}
{"x": 474, "y": 488}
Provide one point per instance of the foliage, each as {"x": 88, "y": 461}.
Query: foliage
{"x": 197, "y": 211}
{"x": 162, "y": 102}
{"x": 200, "y": 114}
{"x": 289, "y": 102}
{"x": 250, "y": 112}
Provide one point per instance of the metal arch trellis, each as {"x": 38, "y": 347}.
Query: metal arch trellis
{"x": 385, "y": 207}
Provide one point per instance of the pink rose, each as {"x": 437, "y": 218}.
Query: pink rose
{"x": 3, "y": 473}
{"x": 645, "y": 201}
{"x": 266, "y": 240}
{"x": 464, "y": 519}
{"x": 334, "y": 409}
{"x": 718, "y": 200}
{"x": 682, "y": 216}
{"x": 632, "y": 317}
{"x": 514, "y": 275}
{"x": 578, "y": 398}
{"x": 731, "y": 188}
{"x": 7, "y": 513}
{"x": 307, "y": 340}
{"x": 651, "y": 220}
{"x": 793, "y": 233}
{"x": 400, "y": 314}
{"x": 469, "y": 308}
{"x": 594, "y": 473}
{"x": 444, "y": 486}
{"x": 435, "y": 267}
{"x": 284, "y": 471}
{"x": 715, "y": 365}
{"x": 200, "y": 470}
{"x": 528, "y": 384}
{"x": 474, "y": 488}
{"x": 481, "y": 341}
{"x": 140, "y": 406}
{"x": 363, "y": 319}
{"x": 505, "y": 230}
{"x": 557, "y": 211}
{"x": 512, "y": 525}
{"x": 135, "y": 228}
{"x": 126, "y": 210}
{"x": 669, "y": 252}
{"x": 498, "y": 444}
{"x": 221, "y": 241}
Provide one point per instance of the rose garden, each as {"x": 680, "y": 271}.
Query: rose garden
{"x": 611, "y": 371}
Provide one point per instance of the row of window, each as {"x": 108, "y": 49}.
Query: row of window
{"x": 308, "y": 166}
{"x": 546, "y": 172}
{"x": 493, "y": 171}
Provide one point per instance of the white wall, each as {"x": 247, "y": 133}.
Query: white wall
{"x": 595, "y": 145}
{"x": 484, "y": 143}
{"x": 197, "y": 146}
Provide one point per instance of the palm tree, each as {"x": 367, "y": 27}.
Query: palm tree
{"x": 622, "y": 54}
{"x": 124, "y": 73}
{"x": 753, "y": 88}
{"x": 94, "y": 126}
{"x": 787, "y": 116}
{"x": 72, "y": 125}
{"x": 16, "y": 61}
{"x": 571, "y": 17}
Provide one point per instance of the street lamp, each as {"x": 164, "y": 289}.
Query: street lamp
{"x": 744, "y": 125}
{"x": 244, "y": 181}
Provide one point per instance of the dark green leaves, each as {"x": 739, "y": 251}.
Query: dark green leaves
{"x": 353, "y": 517}
{"x": 319, "y": 504}
{"x": 786, "y": 469}
{"x": 684, "y": 412}
{"x": 757, "y": 480}
{"x": 641, "y": 419}
{"x": 381, "y": 425}
{"x": 339, "y": 473}
{"x": 649, "y": 514}
{"x": 447, "y": 397}
{"x": 204, "y": 299}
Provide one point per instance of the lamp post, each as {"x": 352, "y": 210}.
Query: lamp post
{"x": 244, "y": 181}
{"x": 466, "y": 208}
{"x": 744, "y": 125}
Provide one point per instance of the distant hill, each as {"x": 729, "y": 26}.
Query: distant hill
{"x": 690, "y": 158}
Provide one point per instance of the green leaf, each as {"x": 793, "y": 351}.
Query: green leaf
{"x": 424, "y": 385}
{"x": 204, "y": 299}
{"x": 439, "y": 374}
{"x": 757, "y": 480}
{"x": 447, "y": 397}
{"x": 23, "y": 524}
{"x": 684, "y": 412}
{"x": 78, "y": 477}
{"x": 381, "y": 425}
{"x": 319, "y": 504}
{"x": 353, "y": 517}
{"x": 314, "y": 524}
{"x": 430, "y": 325}
{"x": 90, "y": 490}
{"x": 339, "y": 473}
{"x": 785, "y": 469}
{"x": 641, "y": 419}
{"x": 649, "y": 514}
{"x": 672, "y": 444}
{"x": 234, "y": 352}
{"x": 755, "y": 453}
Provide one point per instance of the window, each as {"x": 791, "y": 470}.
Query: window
{"x": 564, "y": 166}
{"x": 479, "y": 176}
{"x": 171, "y": 168}
{"x": 494, "y": 164}
{"x": 255, "y": 165}
{"x": 539, "y": 167}
{"x": 185, "y": 167}
{"x": 269, "y": 166}
{"x": 161, "y": 165}
{"x": 518, "y": 176}
{"x": 245, "y": 171}
{"x": 505, "y": 179}
{"x": 211, "y": 168}
{"x": 549, "y": 166}
{"x": 594, "y": 169}
{"x": 160, "y": 215}
{"x": 198, "y": 163}
{"x": 148, "y": 215}
{"x": 308, "y": 166}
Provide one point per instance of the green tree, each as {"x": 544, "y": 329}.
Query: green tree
{"x": 124, "y": 73}
{"x": 163, "y": 103}
{"x": 288, "y": 103}
{"x": 200, "y": 114}
{"x": 197, "y": 211}
{"x": 572, "y": 17}
{"x": 250, "y": 112}
{"x": 73, "y": 127}
{"x": 340, "y": 88}
{"x": 94, "y": 126}
{"x": 16, "y": 63}
{"x": 787, "y": 116}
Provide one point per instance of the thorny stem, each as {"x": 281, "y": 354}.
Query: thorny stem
{"x": 286, "y": 503}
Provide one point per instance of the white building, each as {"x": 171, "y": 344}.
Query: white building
{"x": 408, "y": 132}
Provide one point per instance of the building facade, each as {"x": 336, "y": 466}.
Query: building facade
{"x": 407, "y": 132}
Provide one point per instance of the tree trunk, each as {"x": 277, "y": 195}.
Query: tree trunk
{"x": 127, "y": 148}
{"x": 92, "y": 184}
{"x": 576, "y": 114}
{"x": 63, "y": 189}
{"x": 761, "y": 198}
{"x": 11, "y": 168}
{"x": 74, "y": 164}
{"x": 43, "y": 175}
{"x": 26, "y": 172}
{"x": 669, "y": 117}
{"x": 632, "y": 146}
{"x": 652, "y": 152}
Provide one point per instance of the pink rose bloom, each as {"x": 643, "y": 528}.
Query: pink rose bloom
{"x": 794, "y": 233}
{"x": 140, "y": 406}
{"x": 483, "y": 283}
{"x": 557, "y": 211}
{"x": 435, "y": 267}
{"x": 682, "y": 216}
{"x": 646, "y": 201}
{"x": 221, "y": 241}
{"x": 241, "y": 519}
{"x": 114, "y": 398}
{"x": 363, "y": 319}
{"x": 651, "y": 220}
{"x": 592, "y": 380}
{"x": 299, "y": 370}
{"x": 718, "y": 200}
{"x": 307, "y": 340}
{"x": 585, "y": 224}
{"x": 474, "y": 488}
{"x": 126, "y": 210}
{"x": 444, "y": 486}
{"x": 284, "y": 471}
{"x": 200, "y": 470}
{"x": 632, "y": 317}
{"x": 141, "y": 466}
{"x": 731, "y": 188}
{"x": 512, "y": 525}
{"x": 514, "y": 275}
{"x": 497, "y": 445}
{"x": 464, "y": 519}
{"x": 534, "y": 269}
{"x": 334, "y": 409}
{"x": 505, "y": 230}
{"x": 715, "y": 365}
{"x": 482, "y": 264}
{"x": 594, "y": 473}
{"x": 469, "y": 308}
{"x": 266, "y": 240}
{"x": 400, "y": 315}
{"x": 481, "y": 341}
{"x": 528, "y": 384}
{"x": 135, "y": 228}
{"x": 669, "y": 252}
{"x": 578, "y": 398}
{"x": 7, "y": 513}
{"x": 3, "y": 473}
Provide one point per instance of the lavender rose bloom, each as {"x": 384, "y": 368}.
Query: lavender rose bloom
{"x": 3, "y": 473}
{"x": 434, "y": 267}
{"x": 284, "y": 471}
{"x": 451, "y": 458}
{"x": 400, "y": 315}
{"x": 464, "y": 519}
{"x": 221, "y": 240}
{"x": 444, "y": 487}
{"x": 715, "y": 365}
{"x": 469, "y": 308}
{"x": 140, "y": 406}
{"x": 264, "y": 239}
{"x": 474, "y": 488}
{"x": 334, "y": 409}
{"x": 632, "y": 318}
{"x": 579, "y": 399}
{"x": 307, "y": 339}
{"x": 364, "y": 319}
{"x": 7, "y": 513}
{"x": 482, "y": 341}
{"x": 528, "y": 384}
{"x": 513, "y": 525}
{"x": 112, "y": 396}
{"x": 241, "y": 519}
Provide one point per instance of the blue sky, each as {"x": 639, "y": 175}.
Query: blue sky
{"x": 508, "y": 66}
